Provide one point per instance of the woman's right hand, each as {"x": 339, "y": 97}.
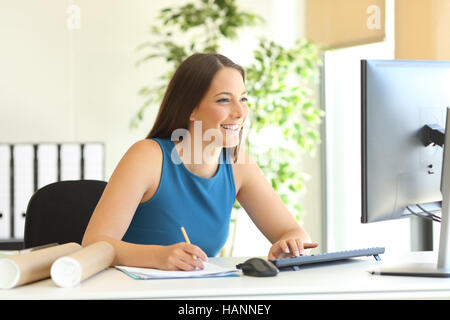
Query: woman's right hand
{"x": 180, "y": 256}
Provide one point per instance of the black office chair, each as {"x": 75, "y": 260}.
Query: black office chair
{"x": 60, "y": 212}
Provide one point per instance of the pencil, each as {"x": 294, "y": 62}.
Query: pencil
{"x": 186, "y": 238}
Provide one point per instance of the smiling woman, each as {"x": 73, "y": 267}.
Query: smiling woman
{"x": 162, "y": 184}
{"x": 194, "y": 86}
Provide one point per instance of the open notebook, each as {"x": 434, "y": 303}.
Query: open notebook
{"x": 210, "y": 270}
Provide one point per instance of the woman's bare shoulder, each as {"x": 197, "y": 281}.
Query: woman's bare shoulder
{"x": 145, "y": 151}
{"x": 143, "y": 156}
{"x": 140, "y": 168}
{"x": 145, "y": 146}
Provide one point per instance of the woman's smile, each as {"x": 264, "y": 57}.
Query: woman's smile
{"x": 231, "y": 128}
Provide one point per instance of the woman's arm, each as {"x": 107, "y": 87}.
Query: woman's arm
{"x": 269, "y": 213}
{"x": 137, "y": 174}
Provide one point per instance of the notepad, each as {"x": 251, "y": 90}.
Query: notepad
{"x": 210, "y": 270}
{"x": 8, "y": 253}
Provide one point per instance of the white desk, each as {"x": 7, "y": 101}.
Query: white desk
{"x": 343, "y": 280}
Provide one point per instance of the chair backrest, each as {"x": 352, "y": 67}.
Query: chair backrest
{"x": 60, "y": 212}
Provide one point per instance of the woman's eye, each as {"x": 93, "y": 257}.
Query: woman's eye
{"x": 225, "y": 100}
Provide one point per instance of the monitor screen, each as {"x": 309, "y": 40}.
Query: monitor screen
{"x": 398, "y": 98}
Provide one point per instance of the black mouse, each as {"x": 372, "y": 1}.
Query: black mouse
{"x": 258, "y": 267}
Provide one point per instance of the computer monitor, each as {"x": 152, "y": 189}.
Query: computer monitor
{"x": 404, "y": 110}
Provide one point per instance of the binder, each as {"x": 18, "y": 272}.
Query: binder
{"x": 5, "y": 192}
{"x": 23, "y": 185}
{"x": 47, "y": 164}
{"x": 70, "y": 161}
{"x": 33, "y": 166}
{"x": 94, "y": 161}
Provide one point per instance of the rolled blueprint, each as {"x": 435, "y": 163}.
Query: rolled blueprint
{"x": 32, "y": 266}
{"x": 70, "y": 270}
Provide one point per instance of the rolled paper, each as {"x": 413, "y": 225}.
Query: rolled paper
{"x": 32, "y": 266}
{"x": 70, "y": 270}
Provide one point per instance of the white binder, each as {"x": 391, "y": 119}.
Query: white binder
{"x": 70, "y": 162}
{"x": 94, "y": 161}
{"x": 47, "y": 172}
{"x": 23, "y": 185}
{"x": 5, "y": 192}
{"x": 47, "y": 156}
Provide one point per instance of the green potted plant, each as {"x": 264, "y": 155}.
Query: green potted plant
{"x": 278, "y": 84}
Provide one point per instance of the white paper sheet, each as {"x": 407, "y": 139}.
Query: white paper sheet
{"x": 210, "y": 270}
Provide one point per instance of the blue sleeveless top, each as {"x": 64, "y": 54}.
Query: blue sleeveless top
{"x": 201, "y": 205}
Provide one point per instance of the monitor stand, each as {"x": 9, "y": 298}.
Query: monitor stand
{"x": 442, "y": 268}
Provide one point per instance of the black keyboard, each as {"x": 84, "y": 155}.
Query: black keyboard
{"x": 294, "y": 263}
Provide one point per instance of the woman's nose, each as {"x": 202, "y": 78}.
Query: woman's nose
{"x": 238, "y": 110}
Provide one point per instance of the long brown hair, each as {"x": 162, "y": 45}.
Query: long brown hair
{"x": 185, "y": 91}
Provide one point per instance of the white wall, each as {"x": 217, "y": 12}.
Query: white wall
{"x": 74, "y": 85}
{"x": 77, "y": 85}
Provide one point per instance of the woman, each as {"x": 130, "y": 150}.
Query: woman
{"x": 188, "y": 172}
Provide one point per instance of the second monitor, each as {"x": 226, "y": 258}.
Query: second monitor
{"x": 404, "y": 105}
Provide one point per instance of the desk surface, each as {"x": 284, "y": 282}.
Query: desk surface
{"x": 341, "y": 280}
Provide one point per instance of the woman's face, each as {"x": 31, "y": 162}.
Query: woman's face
{"x": 223, "y": 110}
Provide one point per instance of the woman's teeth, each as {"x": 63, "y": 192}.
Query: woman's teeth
{"x": 232, "y": 128}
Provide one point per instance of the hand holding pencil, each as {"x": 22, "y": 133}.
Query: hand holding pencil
{"x": 181, "y": 256}
{"x": 187, "y": 239}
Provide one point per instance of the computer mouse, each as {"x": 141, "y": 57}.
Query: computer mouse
{"x": 258, "y": 267}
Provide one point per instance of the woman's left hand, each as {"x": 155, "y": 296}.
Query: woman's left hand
{"x": 293, "y": 247}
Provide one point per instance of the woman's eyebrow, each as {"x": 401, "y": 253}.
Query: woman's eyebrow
{"x": 229, "y": 93}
